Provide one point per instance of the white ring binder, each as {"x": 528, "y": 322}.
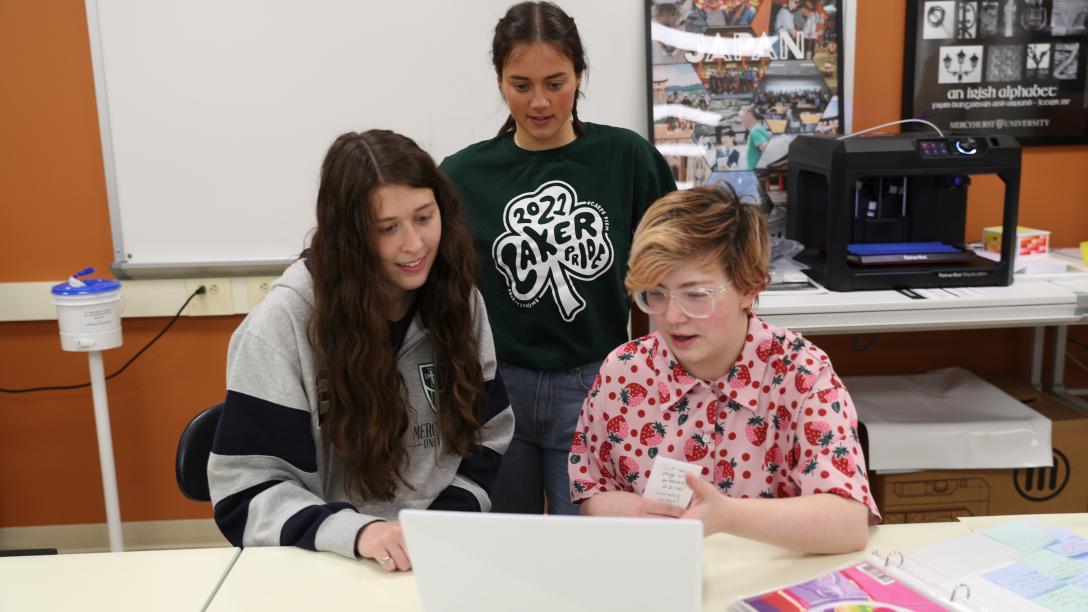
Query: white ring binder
{"x": 895, "y": 562}
{"x": 984, "y": 570}
{"x": 966, "y": 592}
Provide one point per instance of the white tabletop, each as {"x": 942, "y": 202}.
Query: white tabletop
{"x": 291, "y": 579}
{"x": 1073, "y": 522}
{"x": 735, "y": 568}
{"x": 288, "y": 578}
{"x": 1022, "y": 304}
{"x": 160, "y": 580}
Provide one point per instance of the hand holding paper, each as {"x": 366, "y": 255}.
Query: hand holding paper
{"x": 666, "y": 482}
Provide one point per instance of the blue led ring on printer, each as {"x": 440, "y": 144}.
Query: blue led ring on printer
{"x": 890, "y": 211}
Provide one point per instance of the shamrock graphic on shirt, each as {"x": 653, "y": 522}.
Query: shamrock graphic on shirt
{"x": 551, "y": 241}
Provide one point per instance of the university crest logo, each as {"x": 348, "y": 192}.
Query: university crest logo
{"x": 427, "y": 380}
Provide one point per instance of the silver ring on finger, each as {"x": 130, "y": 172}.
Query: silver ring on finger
{"x": 386, "y": 559}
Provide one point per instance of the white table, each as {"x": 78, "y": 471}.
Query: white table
{"x": 1073, "y": 522}
{"x": 288, "y": 578}
{"x": 1057, "y": 301}
{"x": 292, "y": 579}
{"x": 735, "y": 568}
{"x": 1022, "y": 304}
{"x": 160, "y": 580}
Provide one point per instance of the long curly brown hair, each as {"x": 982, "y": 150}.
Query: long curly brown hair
{"x": 349, "y": 332}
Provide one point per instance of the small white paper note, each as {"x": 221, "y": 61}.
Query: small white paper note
{"x": 667, "y": 484}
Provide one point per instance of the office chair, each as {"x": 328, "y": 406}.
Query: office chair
{"x": 863, "y": 440}
{"x": 191, "y": 463}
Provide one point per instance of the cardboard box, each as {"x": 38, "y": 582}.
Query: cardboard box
{"x": 1029, "y": 241}
{"x": 943, "y": 495}
{"x": 1021, "y": 391}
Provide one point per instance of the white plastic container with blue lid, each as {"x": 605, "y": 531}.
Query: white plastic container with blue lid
{"x": 88, "y": 312}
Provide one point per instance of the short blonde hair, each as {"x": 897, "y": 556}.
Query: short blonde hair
{"x": 702, "y": 223}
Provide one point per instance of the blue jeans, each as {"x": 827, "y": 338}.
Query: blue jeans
{"x": 546, "y": 404}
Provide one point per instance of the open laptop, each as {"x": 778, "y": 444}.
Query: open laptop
{"x": 537, "y": 563}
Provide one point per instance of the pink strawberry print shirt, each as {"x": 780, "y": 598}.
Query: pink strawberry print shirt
{"x": 778, "y": 424}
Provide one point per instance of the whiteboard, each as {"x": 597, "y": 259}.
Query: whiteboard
{"x": 215, "y": 115}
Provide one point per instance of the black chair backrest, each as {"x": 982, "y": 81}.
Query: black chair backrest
{"x": 191, "y": 464}
{"x": 28, "y": 552}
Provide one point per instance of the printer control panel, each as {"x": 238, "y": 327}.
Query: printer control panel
{"x": 956, "y": 146}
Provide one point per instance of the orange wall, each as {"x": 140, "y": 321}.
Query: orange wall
{"x": 52, "y": 193}
{"x": 54, "y": 221}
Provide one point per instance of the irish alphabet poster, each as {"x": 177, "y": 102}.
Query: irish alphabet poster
{"x": 1009, "y": 66}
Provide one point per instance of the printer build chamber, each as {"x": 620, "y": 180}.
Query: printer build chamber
{"x": 889, "y": 212}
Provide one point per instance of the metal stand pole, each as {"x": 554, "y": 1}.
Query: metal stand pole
{"x": 105, "y": 449}
{"x": 1038, "y": 342}
{"x": 1057, "y": 376}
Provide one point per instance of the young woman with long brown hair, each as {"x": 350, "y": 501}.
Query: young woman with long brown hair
{"x": 365, "y": 381}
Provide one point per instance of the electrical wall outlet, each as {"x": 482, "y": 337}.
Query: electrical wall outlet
{"x": 258, "y": 287}
{"x": 217, "y": 299}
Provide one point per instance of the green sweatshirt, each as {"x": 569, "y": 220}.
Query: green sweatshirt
{"x": 553, "y": 231}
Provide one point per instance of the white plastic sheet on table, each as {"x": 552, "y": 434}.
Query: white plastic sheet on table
{"x": 947, "y": 419}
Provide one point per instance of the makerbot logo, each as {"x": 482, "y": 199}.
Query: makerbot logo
{"x": 1042, "y": 483}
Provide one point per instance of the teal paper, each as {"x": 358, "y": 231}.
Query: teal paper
{"x": 1020, "y": 536}
{"x": 1054, "y": 565}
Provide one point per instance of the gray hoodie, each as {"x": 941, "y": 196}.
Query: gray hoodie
{"x": 273, "y": 478}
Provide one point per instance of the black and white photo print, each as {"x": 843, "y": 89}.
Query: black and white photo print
{"x": 1069, "y": 17}
{"x": 1066, "y": 57}
{"x": 960, "y": 64}
{"x": 940, "y": 19}
{"x": 966, "y": 20}
{"x": 1038, "y": 59}
{"x": 989, "y": 17}
{"x": 1005, "y": 63}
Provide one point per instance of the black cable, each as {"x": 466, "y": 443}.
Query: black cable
{"x": 1076, "y": 342}
{"x": 864, "y": 347}
{"x": 1070, "y": 357}
{"x": 199, "y": 291}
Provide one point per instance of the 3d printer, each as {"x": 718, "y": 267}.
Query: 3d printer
{"x": 889, "y": 212}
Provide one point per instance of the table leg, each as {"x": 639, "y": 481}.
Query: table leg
{"x": 1057, "y": 374}
{"x": 1038, "y": 341}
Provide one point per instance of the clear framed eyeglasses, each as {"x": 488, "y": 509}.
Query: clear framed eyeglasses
{"x": 696, "y": 302}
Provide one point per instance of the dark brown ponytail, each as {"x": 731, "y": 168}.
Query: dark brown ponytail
{"x": 530, "y": 22}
